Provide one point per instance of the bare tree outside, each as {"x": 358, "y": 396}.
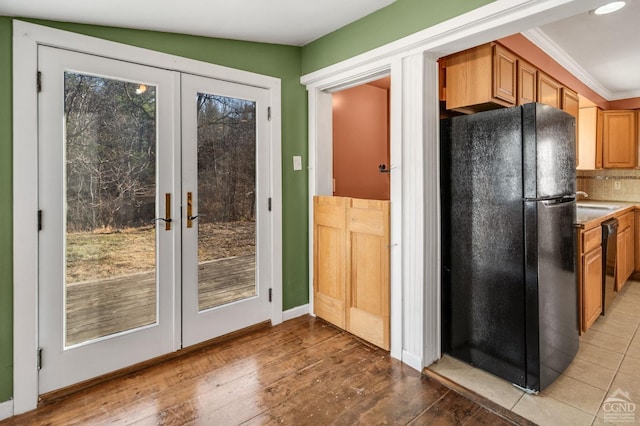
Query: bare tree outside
{"x": 111, "y": 153}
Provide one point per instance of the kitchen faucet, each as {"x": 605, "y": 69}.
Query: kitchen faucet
{"x": 584, "y": 194}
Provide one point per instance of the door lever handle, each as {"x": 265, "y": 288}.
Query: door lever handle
{"x": 190, "y": 216}
{"x": 167, "y": 212}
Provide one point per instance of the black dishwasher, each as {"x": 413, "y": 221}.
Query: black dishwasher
{"x": 609, "y": 249}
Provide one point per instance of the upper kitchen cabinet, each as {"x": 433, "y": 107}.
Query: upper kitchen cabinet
{"x": 590, "y": 122}
{"x": 570, "y": 104}
{"x": 619, "y": 139}
{"x": 549, "y": 90}
{"x": 527, "y": 82}
{"x": 480, "y": 79}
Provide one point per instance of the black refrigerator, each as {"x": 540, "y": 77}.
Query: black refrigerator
{"x": 509, "y": 290}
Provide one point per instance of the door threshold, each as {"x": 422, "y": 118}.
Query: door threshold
{"x": 60, "y": 394}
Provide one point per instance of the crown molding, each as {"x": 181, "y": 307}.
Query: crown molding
{"x": 540, "y": 39}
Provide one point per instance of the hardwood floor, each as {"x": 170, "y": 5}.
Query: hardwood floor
{"x": 302, "y": 372}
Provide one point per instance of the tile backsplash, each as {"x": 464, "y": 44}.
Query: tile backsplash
{"x": 610, "y": 185}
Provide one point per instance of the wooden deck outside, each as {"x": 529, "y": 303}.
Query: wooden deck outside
{"x": 301, "y": 372}
{"x": 103, "y": 307}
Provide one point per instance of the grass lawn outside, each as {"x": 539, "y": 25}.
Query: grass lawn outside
{"x": 109, "y": 253}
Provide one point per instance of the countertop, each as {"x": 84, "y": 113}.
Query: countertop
{"x": 592, "y": 217}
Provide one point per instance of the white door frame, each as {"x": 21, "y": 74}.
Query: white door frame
{"x": 415, "y": 193}
{"x": 26, "y": 38}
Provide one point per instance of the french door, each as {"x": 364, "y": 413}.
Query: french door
{"x": 225, "y": 171}
{"x": 152, "y": 196}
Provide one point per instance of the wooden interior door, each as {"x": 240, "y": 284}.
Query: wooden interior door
{"x": 330, "y": 258}
{"x": 351, "y": 266}
{"x": 368, "y": 270}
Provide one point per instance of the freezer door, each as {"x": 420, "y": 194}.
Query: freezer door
{"x": 551, "y": 290}
{"x": 549, "y": 151}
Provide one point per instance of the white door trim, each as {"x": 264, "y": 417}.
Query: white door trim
{"x": 415, "y": 258}
{"x": 26, "y": 38}
{"x": 6, "y": 409}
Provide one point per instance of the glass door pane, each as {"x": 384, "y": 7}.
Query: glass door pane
{"x": 110, "y": 149}
{"x": 225, "y": 183}
{"x": 226, "y": 150}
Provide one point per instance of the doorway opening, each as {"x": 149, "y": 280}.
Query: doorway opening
{"x": 361, "y": 157}
{"x": 351, "y": 228}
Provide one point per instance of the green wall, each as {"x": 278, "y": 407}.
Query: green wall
{"x": 268, "y": 59}
{"x": 399, "y": 19}
{"x": 6, "y": 225}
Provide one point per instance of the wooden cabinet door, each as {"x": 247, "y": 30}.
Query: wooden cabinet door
{"x": 592, "y": 287}
{"x": 621, "y": 259}
{"x": 527, "y": 82}
{"x": 549, "y": 92}
{"x": 599, "y": 138}
{"x": 630, "y": 251}
{"x": 570, "y": 101}
{"x": 570, "y": 104}
{"x": 590, "y": 138}
{"x": 368, "y": 271}
{"x": 619, "y": 139}
{"x": 330, "y": 258}
{"x": 637, "y": 241}
{"x": 504, "y": 75}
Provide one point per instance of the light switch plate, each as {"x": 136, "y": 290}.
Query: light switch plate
{"x": 297, "y": 162}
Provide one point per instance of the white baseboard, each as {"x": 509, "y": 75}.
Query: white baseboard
{"x": 296, "y": 312}
{"x": 412, "y": 361}
{"x": 6, "y": 409}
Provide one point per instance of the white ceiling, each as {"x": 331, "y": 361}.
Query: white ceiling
{"x": 292, "y": 22}
{"x": 603, "y": 52}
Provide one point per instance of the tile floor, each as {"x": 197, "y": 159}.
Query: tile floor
{"x": 608, "y": 361}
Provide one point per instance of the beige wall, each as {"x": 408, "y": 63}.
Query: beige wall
{"x": 600, "y": 184}
{"x": 361, "y": 142}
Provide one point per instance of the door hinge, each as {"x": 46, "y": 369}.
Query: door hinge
{"x": 39, "y": 82}
{"x": 269, "y": 113}
{"x": 269, "y": 204}
{"x": 270, "y": 294}
{"x": 39, "y": 361}
{"x": 39, "y": 220}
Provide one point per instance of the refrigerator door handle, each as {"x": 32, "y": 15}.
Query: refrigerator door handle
{"x": 558, "y": 201}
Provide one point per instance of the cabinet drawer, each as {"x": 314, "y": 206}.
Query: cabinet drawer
{"x": 625, "y": 221}
{"x": 591, "y": 239}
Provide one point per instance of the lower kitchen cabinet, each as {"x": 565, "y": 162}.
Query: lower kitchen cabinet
{"x": 637, "y": 240}
{"x": 590, "y": 276}
{"x": 351, "y": 266}
{"x": 626, "y": 251}
{"x": 592, "y": 287}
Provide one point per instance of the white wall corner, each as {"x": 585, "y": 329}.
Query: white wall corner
{"x": 413, "y": 209}
{"x": 395, "y": 131}
{"x": 6, "y": 409}
{"x": 431, "y": 171}
{"x": 296, "y": 312}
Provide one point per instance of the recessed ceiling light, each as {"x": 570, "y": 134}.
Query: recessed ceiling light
{"x": 609, "y": 8}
